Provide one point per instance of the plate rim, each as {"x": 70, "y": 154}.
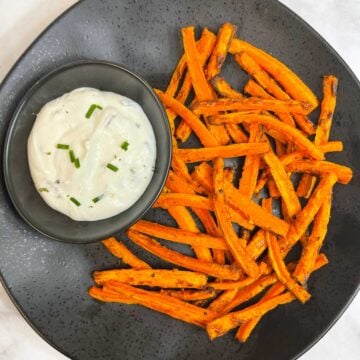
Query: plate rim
{"x": 317, "y": 35}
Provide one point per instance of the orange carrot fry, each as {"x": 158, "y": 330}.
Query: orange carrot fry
{"x": 222, "y": 300}
{"x": 292, "y": 84}
{"x": 217, "y": 58}
{"x": 224, "y": 89}
{"x": 118, "y": 249}
{"x": 152, "y": 277}
{"x": 283, "y": 183}
{"x": 228, "y": 285}
{"x": 189, "y": 295}
{"x": 212, "y": 107}
{"x": 179, "y": 235}
{"x": 204, "y": 135}
{"x": 307, "y": 214}
{"x": 211, "y": 269}
{"x": 343, "y": 173}
{"x": 247, "y": 327}
{"x": 312, "y": 247}
{"x": 223, "y": 217}
{"x": 220, "y": 326}
{"x": 163, "y": 303}
{"x": 229, "y": 151}
{"x": 293, "y": 135}
{"x": 107, "y": 295}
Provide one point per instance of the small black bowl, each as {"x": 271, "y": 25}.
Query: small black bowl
{"x": 33, "y": 209}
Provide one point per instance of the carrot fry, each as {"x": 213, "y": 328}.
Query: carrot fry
{"x": 228, "y": 285}
{"x": 179, "y": 235}
{"x": 283, "y": 183}
{"x": 218, "y": 56}
{"x": 292, "y": 135}
{"x": 229, "y": 151}
{"x": 222, "y": 300}
{"x": 220, "y": 326}
{"x": 204, "y": 135}
{"x": 307, "y": 214}
{"x": 163, "y": 303}
{"x": 107, "y": 295}
{"x": 212, "y": 107}
{"x": 224, "y": 89}
{"x": 169, "y": 199}
{"x": 343, "y": 173}
{"x": 247, "y": 327}
{"x": 223, "y": 217}
{"x": 251, "y": 166}
{"x": 190, "y": 295}
{"x": 311, "y": 249}
{"x": 118, "y": 249}
{"x": 152, "y": 277}
{"x": 292, "y": 84}
{"x": 211, "y": 269}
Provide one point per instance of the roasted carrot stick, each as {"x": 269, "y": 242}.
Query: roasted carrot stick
{"x": 211, "y": 269}
{"x": 222, "y": 300}
{"x": 291, "y": 134}
{"x": 107, "y": 295}
{"x": 292, "y": 84}
{"x": 118, "y": 249}
{"x": 189, "y": 295}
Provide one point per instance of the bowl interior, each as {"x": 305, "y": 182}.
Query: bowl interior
{"x": 103, "y": 76}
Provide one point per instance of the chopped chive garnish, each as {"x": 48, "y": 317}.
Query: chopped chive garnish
{"x": 63, "y": 146}
{"x": 112, "y": 167}
{"x": 98, "y": 198}
{"x": 43, "y": 189}
{"x": 48, "y": 153}
{"x": 76, "y": 202}
{"x": 77, "y": 163}
{"x": 92, "y": 109}
{"x": 72, "y": 156}
{"x": 125, "y": 145}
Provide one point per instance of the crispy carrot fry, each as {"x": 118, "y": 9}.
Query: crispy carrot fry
{"x": 224, "y": 89}
{"x": 222, "y": 300}
{"x": 218, "y": 56}
{"x": 185, "y": 221}
{"x": 281, "y": 271}
{"x": 212, "y": 107}
{"x": 190, "y": 295}
{"x": 118, "y": 249}
{"x": 166, "y": 304}
{"x": 292, "y": 135}
{"x": 234, "y": 150}
{"x": 292, "y": 84}
{"x": 254, "y": 89}
{"x": 222, "y": 325}
{"x": 250, "y": 66}
{"x": 204, "y": 135}
{"x": 179, "y": 235}
{"x": 283, "y": 183}
{"x": 312, "y": 247}
{"x": 152, "y": 277}
{"x": 307, "y": 214}
{"x": 170, "y": 199}
{"x": 343, "y": 173}
{"x": 223, "y": 217}
{"x": 211, "y": 269}
{"x": 109, "y": 296}
{"x": 236, "y": 134}
{"x": 247, "y": 327}
{"x": 250, "y": 170}
{"x": 228, "y": 285}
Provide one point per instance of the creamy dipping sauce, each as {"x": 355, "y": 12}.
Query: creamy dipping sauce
{"x": 91, "y": 153}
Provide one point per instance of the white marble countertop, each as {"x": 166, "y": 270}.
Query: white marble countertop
{"x": 22, "y": 20}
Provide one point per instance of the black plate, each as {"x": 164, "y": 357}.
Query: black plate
{"x": 48, "y": 280}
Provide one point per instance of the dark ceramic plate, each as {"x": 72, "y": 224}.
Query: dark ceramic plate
{"x": 100, "y": 75}
{"x": 48, "y": 280}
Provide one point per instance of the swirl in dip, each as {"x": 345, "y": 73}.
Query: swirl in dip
{"x": 91, "y": 153}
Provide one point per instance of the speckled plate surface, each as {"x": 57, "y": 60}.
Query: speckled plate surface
{"x": 48, "y": 280}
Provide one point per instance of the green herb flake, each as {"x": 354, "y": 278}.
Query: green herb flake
{"x": 125, "y": 145}
{"x": 77, "y": 163}
{"x": 98, "y": 198}
{"x": 43, "y": 189}
{"x": 72, "y": 156}
{"x": 112, "y": 167}
{"x": 48, "y": 153}
{"x": 92, "y": 109}
{"x": 62, "y": 146}
{"x": 76, "y": 202}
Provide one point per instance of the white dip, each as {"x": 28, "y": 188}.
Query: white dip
{"x": 91, "y": 153}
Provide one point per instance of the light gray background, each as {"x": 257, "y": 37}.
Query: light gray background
{"x": 22, "y": 20}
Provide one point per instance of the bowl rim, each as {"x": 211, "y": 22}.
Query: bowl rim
{"x": 6, "y": 149}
